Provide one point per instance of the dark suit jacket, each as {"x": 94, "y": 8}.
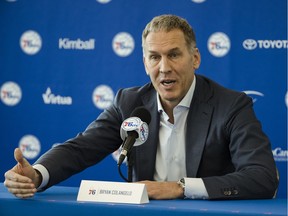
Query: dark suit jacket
{"x": 225, "y": 145}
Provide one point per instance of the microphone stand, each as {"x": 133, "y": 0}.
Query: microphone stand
{"x": 130, "y": 164}
{"x": 119, "y": 166}
{"x": 121, "y": 174}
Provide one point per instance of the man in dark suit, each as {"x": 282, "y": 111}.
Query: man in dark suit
{"x": 205, "y": 141}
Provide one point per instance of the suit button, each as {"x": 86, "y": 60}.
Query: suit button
{"x": 235, "y": 192}
{"x": 227, "y": 193}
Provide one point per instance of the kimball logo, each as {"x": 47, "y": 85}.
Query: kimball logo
{"x": 50, "y": 98}
{"x": 66, "y": 43}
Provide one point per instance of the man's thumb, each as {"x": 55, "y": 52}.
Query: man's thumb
{"x": 20, "y": 159}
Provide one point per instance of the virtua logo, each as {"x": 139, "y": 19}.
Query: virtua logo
{"x": 66, "y": 43}
{"x": 50, "y": 98}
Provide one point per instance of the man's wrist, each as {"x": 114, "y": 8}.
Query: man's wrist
{"x": 181, "y": 184}
{"x": 44, "y": 176}
{"x": 38, "y": 178}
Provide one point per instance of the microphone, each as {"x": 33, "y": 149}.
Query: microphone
{"x": 134, "y": 131}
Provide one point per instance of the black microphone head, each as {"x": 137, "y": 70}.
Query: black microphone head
{"x": 142, "y": 113}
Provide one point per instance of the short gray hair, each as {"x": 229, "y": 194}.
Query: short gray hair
{"x": 168, "y": 22}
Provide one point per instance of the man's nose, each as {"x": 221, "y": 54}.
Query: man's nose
{"x": 164, "y": 66}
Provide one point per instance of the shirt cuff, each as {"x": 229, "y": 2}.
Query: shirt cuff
{"x": 45, "y": 175}
{"x": 195, "y": 189}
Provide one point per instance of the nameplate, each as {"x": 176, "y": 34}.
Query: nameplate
{"x": 116, "y": 192}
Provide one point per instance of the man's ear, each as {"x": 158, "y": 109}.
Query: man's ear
{"x": 197, "y": 59}
{"x": 144, "y": 62}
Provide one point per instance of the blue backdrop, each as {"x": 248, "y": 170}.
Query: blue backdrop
{"x": 61, "y": 63}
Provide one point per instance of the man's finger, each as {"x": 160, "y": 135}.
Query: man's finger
{"x": 20, "y": 159}
{"x": 13, "y": 176}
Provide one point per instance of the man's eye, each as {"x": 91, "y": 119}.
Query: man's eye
{"x": 173, "y": 55}
{"x": 154, "y": 57}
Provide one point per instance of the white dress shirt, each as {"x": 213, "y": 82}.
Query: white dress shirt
{"x": 171, "y": 157}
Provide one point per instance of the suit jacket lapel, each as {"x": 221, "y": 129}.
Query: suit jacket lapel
{"x": 198, "y": 122}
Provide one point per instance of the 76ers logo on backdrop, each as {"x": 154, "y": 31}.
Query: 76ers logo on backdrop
{"x": 30, "y": 146}
{"x": 123, "y": 44}
{"x": 10, "y": 93}
{"x": 103, "y": 96}
{"x": 219, "y": 44}
{"x": 30, "y": 42}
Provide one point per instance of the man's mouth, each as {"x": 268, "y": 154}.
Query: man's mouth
{"x": 168, "y": 82}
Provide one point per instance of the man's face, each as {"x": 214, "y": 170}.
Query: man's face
{"x": 170, "y": 65}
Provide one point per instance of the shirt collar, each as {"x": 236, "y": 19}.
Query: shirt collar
{"x": 185, "y": 102}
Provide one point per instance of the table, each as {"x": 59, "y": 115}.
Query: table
{"x": 61, "y": 200}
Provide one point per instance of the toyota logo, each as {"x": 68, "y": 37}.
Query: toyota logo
{"x": 249, "y": 44}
